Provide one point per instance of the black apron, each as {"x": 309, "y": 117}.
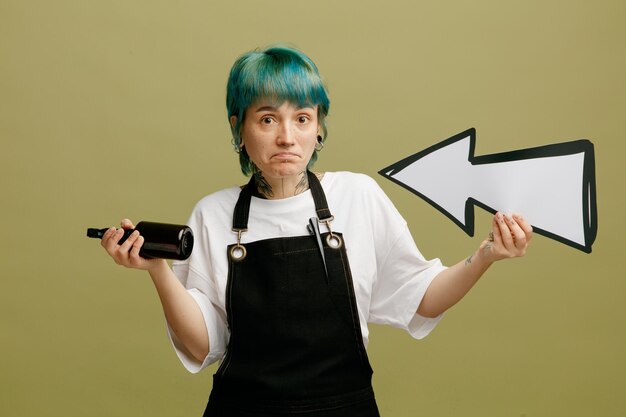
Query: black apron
{"x": 295, "y": 345}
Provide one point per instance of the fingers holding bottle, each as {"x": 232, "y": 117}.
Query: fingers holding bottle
{"x": 135, "y": 260}
{"x": 126, "y": 252}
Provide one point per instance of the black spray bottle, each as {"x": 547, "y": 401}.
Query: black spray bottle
{"x": 161, "y": 240}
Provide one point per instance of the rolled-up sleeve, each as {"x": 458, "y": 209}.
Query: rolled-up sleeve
{"x": 403, "y": 278}
{"x": 214, "y": 320}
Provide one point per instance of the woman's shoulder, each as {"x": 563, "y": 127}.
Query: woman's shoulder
{"x": 222, "y": 199}
{"x": 353, "y": 181}
{"x": 360, "y": 188}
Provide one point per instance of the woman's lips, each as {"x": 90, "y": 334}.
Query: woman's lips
{"x": 285, "y": 155}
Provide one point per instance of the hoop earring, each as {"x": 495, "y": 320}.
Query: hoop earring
{"x": 238, "y": 148}
{"x": 320, "y": 144}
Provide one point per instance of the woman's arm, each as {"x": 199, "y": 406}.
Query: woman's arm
{"x": 511, "y": 236}
{"x": 181, "y": 311}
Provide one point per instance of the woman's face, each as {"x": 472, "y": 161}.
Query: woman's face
{"x": 280, "y": 139}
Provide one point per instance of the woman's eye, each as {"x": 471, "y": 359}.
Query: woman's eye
{"x": 303, "y": 119}
{"x": 266, "y": 120}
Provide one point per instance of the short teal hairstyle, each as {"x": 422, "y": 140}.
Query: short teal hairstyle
{"x": 278, "y": 73}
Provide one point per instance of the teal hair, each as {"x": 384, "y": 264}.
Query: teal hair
{"x": 280, "y": 74}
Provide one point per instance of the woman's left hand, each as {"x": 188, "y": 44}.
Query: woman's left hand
{"x": 509, "y": 237}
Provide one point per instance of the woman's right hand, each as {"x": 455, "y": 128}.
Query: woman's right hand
{"x": 181, "y": 310}
{"x": 127, "y": 254}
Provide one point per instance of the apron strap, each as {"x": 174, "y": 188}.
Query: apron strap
{"x": 242, "y": 208}
{"x": 321, "y": 206}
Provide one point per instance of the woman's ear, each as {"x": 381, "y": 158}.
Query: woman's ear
{"x": 233, "y": 124}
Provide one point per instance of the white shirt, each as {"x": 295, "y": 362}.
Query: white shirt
{"x": 389, "y": 273}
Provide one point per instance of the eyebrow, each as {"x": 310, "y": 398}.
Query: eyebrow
{"x": 266, "y": 108}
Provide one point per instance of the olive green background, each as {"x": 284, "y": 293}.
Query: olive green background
{"x": 112, "y": 109}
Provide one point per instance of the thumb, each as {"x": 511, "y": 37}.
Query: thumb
{"x": 127, "y": 224}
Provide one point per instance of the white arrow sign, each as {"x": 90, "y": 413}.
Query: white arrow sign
{"x": 552, "y": 186}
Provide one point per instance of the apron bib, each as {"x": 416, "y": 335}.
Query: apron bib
{"x": 295, "y": 345}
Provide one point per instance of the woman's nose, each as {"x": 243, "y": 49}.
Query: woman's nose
{"x": 286, "y": 135}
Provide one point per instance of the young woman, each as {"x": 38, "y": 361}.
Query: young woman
{"x": 288, "y": 270}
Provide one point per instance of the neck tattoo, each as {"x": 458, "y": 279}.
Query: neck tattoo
{"x": 264, "y": 189}
{"x": 302, "y": 185}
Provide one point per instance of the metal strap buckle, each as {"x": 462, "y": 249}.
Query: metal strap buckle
{"x": 238, "y": 252}
{"x": 334, "y": 241}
